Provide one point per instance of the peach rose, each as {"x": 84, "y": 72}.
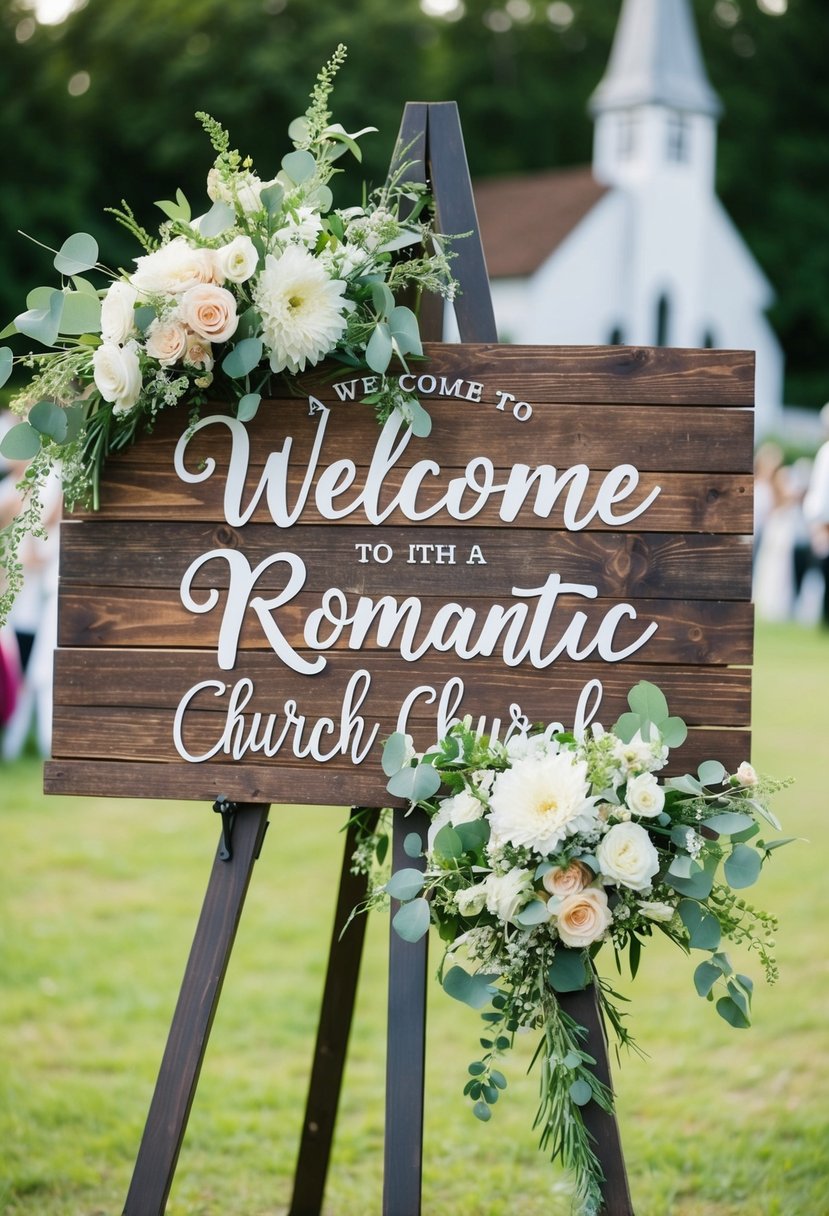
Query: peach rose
{"x": 583, "y": 918}
{"x": 166, "y": 341}
{"x": 210, "y": 312}
{"x": 568, "y": 880}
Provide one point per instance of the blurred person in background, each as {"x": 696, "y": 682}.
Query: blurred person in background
{"x": 816, "y": 511}
{"x": 32, "y": 623}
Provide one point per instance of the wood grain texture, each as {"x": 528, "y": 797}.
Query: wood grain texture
{"x": 131, "y": 649}
{"x": 321, "y": 785}
{"x": 104, "y": 553}
{"x": 688, "y": 631}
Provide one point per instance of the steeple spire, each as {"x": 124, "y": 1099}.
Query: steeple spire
{"x": 656, "y": 60}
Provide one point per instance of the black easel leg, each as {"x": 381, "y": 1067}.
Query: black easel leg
{"x": 583, "y": 1007}
{"x": 406, "y": 1050}
{"x": 193, "y": 1018}
{"x": 338, "y": 999}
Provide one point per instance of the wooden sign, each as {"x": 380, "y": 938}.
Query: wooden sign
{"x": 256, "y": 607}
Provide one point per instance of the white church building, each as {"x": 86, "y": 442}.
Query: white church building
{"x": 636, "y": 249}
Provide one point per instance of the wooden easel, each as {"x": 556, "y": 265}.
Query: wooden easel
{"x": 431, "y": 144}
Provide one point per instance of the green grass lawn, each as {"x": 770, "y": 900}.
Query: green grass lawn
{"x": 97, "y": 908}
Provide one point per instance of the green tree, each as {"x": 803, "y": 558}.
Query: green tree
{"x": 521, "y": 71}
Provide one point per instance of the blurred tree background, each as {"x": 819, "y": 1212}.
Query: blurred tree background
{"x": 100, "y": 107}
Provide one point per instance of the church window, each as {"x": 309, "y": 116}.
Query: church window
{"x": 709, "y": 340}
{"x": 678, "y": 138}
{"x": 617, "y": 336}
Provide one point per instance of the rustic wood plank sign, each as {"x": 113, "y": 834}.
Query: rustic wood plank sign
{"x": 256, "y": 607}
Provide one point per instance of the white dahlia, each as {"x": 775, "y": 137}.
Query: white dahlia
{"x": 541, "y": 801}
{"x": 302, "y": 309}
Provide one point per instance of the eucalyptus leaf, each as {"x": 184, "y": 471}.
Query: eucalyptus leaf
{"x": 405, "y": 330}
{"x": 9, "y": 331}
{"x": 683, "y": 865}
{"x": 298, "y": 130}
{"x": 75, "y": 415}
{"x": 698, "y": 884}
{"x": 475, "y": 990}
{"x": 42, "y": 324}
{"x": 272, "y": 197}
{"x": 81, "y": 313}
{"x": 627, "y": 726}
{"x": 648, "y": 701}
{"x": 703, "y": 928}
{"x": 729, "y": 823}
{"x": 144, "y": 317}
{"x": 705, "y": 977}
{"x": 243, "y": 358}
{"x": 411, "y": 921}
{"x": 711, "y": 772}
{"x": 248, "y": 407}
{"x": 533, "y": 913}
{"x": 6, "y": 364}
{"x": 732, "y": 1013}
{"x": 421, "y": 419}
{"x": 448, "y": 843}
{"x": 568, "y": 972}
{"x": 742, "y": 867}
{"x": 78, "y": 253}
{"x": 395, "y": 753}
{"x": 322, "y": 197}
{"x": 41, "y": 297}
{"x": 379, "y": 348}
{"x": 413, "y": 845}
{"x": 481, "y": 1111}
{"x": 415, "y": 783}
{"x": 405, "y": 884}
{"x": 382, "y": 299}
{"x": 20, "y": 442}
{"x": 84, "y": 286}
{"x": 674, "y": 732}
{"x": 218, "y": 219}
{"x": 581, "y": 1092}
{"x": 684, "y": 785}
{"x": 50, "y": 420}
{"x": 473, "y": 834}
{"x": 299, "y": 166}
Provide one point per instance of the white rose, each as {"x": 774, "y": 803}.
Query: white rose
{"x": 506, "y": 894}
{"x": 236, "y": 261}
{"x": 167, "y": 341}
{"x": 471, "y": 900}
{"x": 117, "y": 375}
{"x": 645, "y": 796}
{"x": 210, "y": 312}
{"x": 656, "y": 910}
{"x": 626, "y": 855}
{"x": 464, "y": 808}
{"x": 746, "y": 775}
{"x": 173, "y": 269}
{"x": 118, "y": 312}
{"x": 583, "y": 918}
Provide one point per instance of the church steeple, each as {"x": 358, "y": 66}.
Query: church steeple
{"x": 654, "y": 104}
{"x": 656, "y": 60}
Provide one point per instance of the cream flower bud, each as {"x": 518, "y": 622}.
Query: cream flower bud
{"x": 237, "y": 261}
{"x": 626, "y": 855}
{"x": 117, "y": 375}
{"x": 118, "y": 312}
{"x": 645, "y": 796}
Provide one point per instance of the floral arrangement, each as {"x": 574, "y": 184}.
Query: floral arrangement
{"x": 270, "y": 280}
{"x": 544, "y": 848}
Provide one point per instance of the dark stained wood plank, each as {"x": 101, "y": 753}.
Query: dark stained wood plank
{"x": 688, "y": 439}
{"x": 320, "y": 785}
{"x": 123, "y": 680}
{"x": 700, "y": 502}
{"x": 699, "y": 631}
{"x": 119, "y": 553}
